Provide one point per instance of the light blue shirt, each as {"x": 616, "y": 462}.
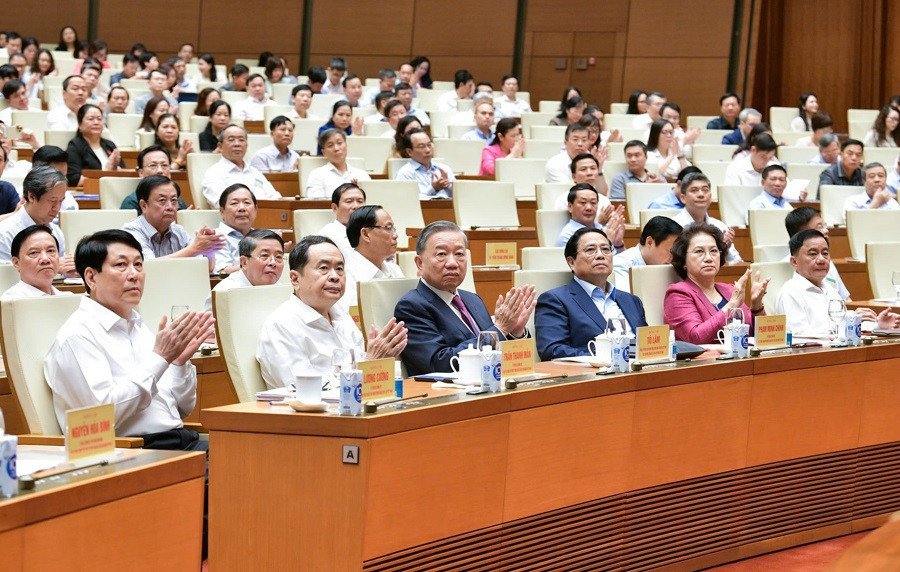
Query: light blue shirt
{"x": 766, "y": 201}
{"x": 477, "y": 135}
{"x": 622, "y": 262}
{"x": 228, "y": 255}
{"x": 617, "y": 188}
{"x": 413, "y": 171}
{"x": 893, "y": 181}
{"x": 569, "y": 230}
{"x": 604, "y": 301}
{"x": 667, "y": 201}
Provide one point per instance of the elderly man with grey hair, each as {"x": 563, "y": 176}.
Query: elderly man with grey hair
{"x": 232, "y": 168}
{"x": 829, "y": 150}
{"x": 442, "y": 319}
{"x": 261, "y": 254}
{"x": 747, "y": 119}
{"x": 43, "y": 189}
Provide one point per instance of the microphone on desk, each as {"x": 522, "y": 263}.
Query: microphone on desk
{"x": 372, "y": 406}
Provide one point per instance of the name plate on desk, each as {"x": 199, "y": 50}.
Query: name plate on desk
{"x": 517, "y": 358}
{"x": 90, "y": 432}
{"x": 378, "y": 379}
{"x": 500, "y": 254}
{"x": 653, "y": 344}
{"x": 771, "y": 331}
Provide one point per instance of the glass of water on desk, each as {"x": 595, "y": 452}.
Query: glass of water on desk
{"x": 895, "y": 280}
{"x": 836, "y": 311}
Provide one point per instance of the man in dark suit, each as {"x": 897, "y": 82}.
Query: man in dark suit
{"x": 747, "y": 119}
{"x": 568, "y": 317}
{"x": 443, "y": 320}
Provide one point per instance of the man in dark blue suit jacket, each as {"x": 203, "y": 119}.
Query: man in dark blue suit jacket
{"x": 747, "y": 119}
{"x": 437, "y": 327}
{"x": 567, "y": 318}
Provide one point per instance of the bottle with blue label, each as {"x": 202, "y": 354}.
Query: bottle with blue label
{"x": 351, "y": 387}
{"x": 490, "y": 369}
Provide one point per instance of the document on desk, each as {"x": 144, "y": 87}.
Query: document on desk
{"x": 30, "y": 461}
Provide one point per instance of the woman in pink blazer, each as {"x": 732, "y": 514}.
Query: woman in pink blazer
{"x": 696, "y": 307}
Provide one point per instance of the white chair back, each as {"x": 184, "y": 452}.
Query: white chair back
{"x": 883, "y": 259}
{"x": 190, "y": 274}
{"x": 544, "y": 258}
{"x": 863, "y": 115}
{"x": 788, "y": 154}
{"x": 536, "y": 118}
{"x": 699, "y": 120}
{"x": 523, "y": 173}
{"x": 34, "y": 120}
{"x": 377, "y": 129}
{"x": 778, "y": 273}
{"x": 638, "y": 197}
{"x": 549, "y": 224}
{"x": 887, "y": 156}
{"x": 461, "y": 156}
{"x": 122, "y": 128}
{"x": 306, "y": 134}
{"x": 281, "y": 92}
{"x": 770, "y": 252}
{"x": 457, "y": 130}
{"x": 58, "y": 137}
{"x": 310, "y": 221}
{"x": 809, "y": 172}
{"x": 734, "y": 203}
{"x": 780, "y": 118}
{"x": 619, "y": 121}
{"x": 8, "y": 277}
{"x": 401, "y": 200}
{"x": 831, "y": 199}
{"x": 548, "y": 195}
{"x": 270, "y": 112}
{"x": 255, "y": 142}
{"x": 197, "y": 123}
{"x": 322, "y": 104}
{"x": 113, "y": 190}
{"x": 767, "y": 227}
{"x": 548, "y": 132}
{"x": 484, "y": 203}
{"x": 647, "y": 214}
{"x": 29, "y": 326}
{"x": 374, "y": 151}
{"x": 867, "y": 225}
{"x": 197, "y": 165}
{"x": 192, "y": 220}
{"x": 649, "y": 283}
{"x": 710, "y": 152}
{"x": 240, "y": 314}
{"x": 185, "y": 112}
{"x": 712, "y": 137}
{"x": 77, "y": 224}
{"x": 539, "y": 149}
{"x": 550, "y": 106}
{"x": 378, "y": 298}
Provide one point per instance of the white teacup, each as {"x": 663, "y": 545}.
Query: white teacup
{"x": 601, "y": 348}
{"x": 309, "y": 387}
{"x": 468, "y": 365}
{"x": 725, "y": 338}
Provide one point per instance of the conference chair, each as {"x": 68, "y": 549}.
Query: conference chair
{"x": 616, "y": 151}
{"x": 734, "y": 203}
{"x": 146, "y": 139}
{"x": 548, "y": 194}
{"x": 310, "y": 162}
{"x": 552, "y": 106}
{"x": 373, "y": 150}
{"x": 240, "y": 314}
{"x": 549, "y": 224}
{"x": 463, "y": 157}
{"x": 58, "y": 137}
{"x": 192, "y": 220}
{"x": 780, "y": 118}
{"x": 863, "y": 115}
{"x": 887, "y": 156}
{"x": 649, "y": 283}
{"x": 523, "y": 173}
{"x": 832, "y": 199}
{"x": 29, "y": 326}
{"x": 281, "y": 93}
{"x": 255, "y": 142}
{"x": 77, "y": 224}
{"x": 809, "y": 172}
{"x": 883, "y": 260}
{"x": 778, "y": 273}
{"x": 715, "y": 171}
{"x": 712, "y": 152}
{"x": 638, "y": 197}
{"x": 647, "y": 214}
{"x": 859, "y": 129}
{"x": 378, "y": 298}
{"x": 699, "y": 121}
{"x": 788, "y": 154}
{"x": 544, "y": 258}
{"x": 185, "y": 112}
{"x": 712, "y": 136}
{"x": 618, "y": 107}
{"x": 771, "y": 252}
{"x": 197, "y": 123}
{"x": 406, "y": 260}
{"x": 542, "y": 280}
{"x": 548, "y": 132}
{"x": 363, "y": 112}
{"x": 536, "y": 118}
{"x": 620, "y": 121}
{"x": 306, "y": 134}
{"x": 323, "y": 103}
{"x": 113, "y": 190}
{"x": 34, "y": 120}
{"x": 8, "y": 277}
{"x": 377, "y": 129}
{"x": 484, "y": 204}
{"x": 867, "y": 225}
{"x": 767, "y": 227}
{"x": 123, "y": 127}
{"x": 234, "y": 98}
{"x": 539, "y": 149}
{"x": 197, "y": 165}
{"x": 53, "y": 94}
{"x": 401, "y": 200}
{"x": 270, "y": 112}
{"x": 611, "y": 168}
{"x": 310, "y": 221}
{"x": 190, "y": 274}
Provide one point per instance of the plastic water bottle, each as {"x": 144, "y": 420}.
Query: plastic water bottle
{"x": 351, "y": 388}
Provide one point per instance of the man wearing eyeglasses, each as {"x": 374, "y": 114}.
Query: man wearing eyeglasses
{"x": 232, "y": 168}
{"x": 154, "y": 160}
{"x": 156, "y": 230}
{"x": 373, "y": 236}
{"x": 435, "y": 180}
{"x": 261, "y": 254}
{"x": 568, "y": 317}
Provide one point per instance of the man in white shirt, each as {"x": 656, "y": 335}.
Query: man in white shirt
{"x": 302, "y": 98}
{"x": 75, "y": 93}
{"x": 373, "y": 236}
{"x": 44, "y": 190}
{"x": 301, "y": 336}
{"x": 345, "y": 199}
{"x": 405, "y": 73}
{"x": 747, "y": 170}
{"x": 278, "y": 157}
{"x": 654, "y": 248}
{"x": 435, "y": 180}
{"x": 336, "y": 70}
{"x": 876, "y": 194}
{"x": 404, "y": 92}
{"x": 182, "y": 84}
{"x": 156, "y": 82}
{"x": 386, "y": 81}
{"x": 17, "y": 98}
{"x": 804, "y": 299}
{"x": 232, "y": 168}
{"x": 484, "y": 121}
{"x": 237, "y": 205}
{"x": 509, "y": 104}
{"x": 655, "y": 101}
{"x": 558, "y": 167}
{"x": 587, "y": 207}
{"x": 322, "y": 181}
{"x": 697, "y": 196}
{"x": 105, "y": 354}
{"x": 585, "y": 168}
{"x": 464, "y": 88}
{"x": 774, "y": 181}
{"x": 252, "y": 108}
{"x": 261, "y": 263}
{"x": 353, "y": 90}
{"x": 156, "y": 230}
{"x": 35, "y": 254}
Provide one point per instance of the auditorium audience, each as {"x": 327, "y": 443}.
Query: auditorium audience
{"x": 584, "y": 206}
{"x": 636, "y": 172}
{"x": 664, "y": 150}
{"x": 260, "y": 256}
{"x": 278, "y": 157}
{"x": 116, "y": 101}
{"x": 342, "y": 118}
{"x": 729, "y": 107}
{"x": 153, "y": 160}
{"x": 156, "y": 107}
{"x": 637, "y": 102}
{"x": 435, "y": 180}
{"x": 205, "y": 98}
{"x": 821, "y": 124}
{"x": 237, "y": 205}
{"x": 219, "y": 119}
{"x": 88, "y": 150}
{"x": 421, "y": 72}
{"x": 672, "y": 199}
{"x": 252, "y": 108}
{"x": 655, "y": 101}
{"x": 323, "y": 180}
{"x": 232, "y": 168}
{"x": 809, "y": 218}
{"x": 847, "y": 169}
{"x": 697, "y": 306}
{"x": 168, "y": 136}
{"x": 464, "y": 88}
{"x": 63, "y": 117}
{"x": 484, "y": 122}
{"x": 747, "y": 171}
{"x": 829, "y": 150}
{"x": 404, "y": 92}
{"x": 336, "y": 70}
{"x": 697, "y": 197}
{"x": 748, "y": 118}
{"x": 571, "y": 112}
{"x": 510, "y": 104}
{"x": 302, "y": 98}
{"x": 557, "y": 169}
{"x": 774, "y": 181}
{"x": 157, "y": 81}
{"x": 373, "y": 237}
{"x": 239, "y": 75}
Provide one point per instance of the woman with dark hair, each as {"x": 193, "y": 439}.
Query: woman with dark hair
{"x": 342, "y": 118}
{"x": 274, "y": 73}
{"x": 168, "y": 137}
{"x": 68, "y": 37}
{"x": 637, "y": 102}
{"x": 30, "y": 48}
{"x": 148, "y": 62}
{"x": 219, "y": 118}
{"x": 663, "y": 148}
{"x": 404, "y": 125}
{"x": 570, "y": 92}
{"x": 808, "y": 105}
{"x": 757, "y": 130}
{"x": 88, "y": 150}
{"x": 885, "y": 132}
{"x": 264, "y": 58}
{"x": 421, "y": 72}
{"x": 697, "y": 307}
{"x": 206, "y": 64}
{"x": 79, "y": 52}
{"x": 156, "y": 106}
{"x": 571, "y": 112}
{"x": 205, "y": 99}
{"x": 507, "y": 143}
{"x": 822, "y": 124}
{"x": 42, "y": 66}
